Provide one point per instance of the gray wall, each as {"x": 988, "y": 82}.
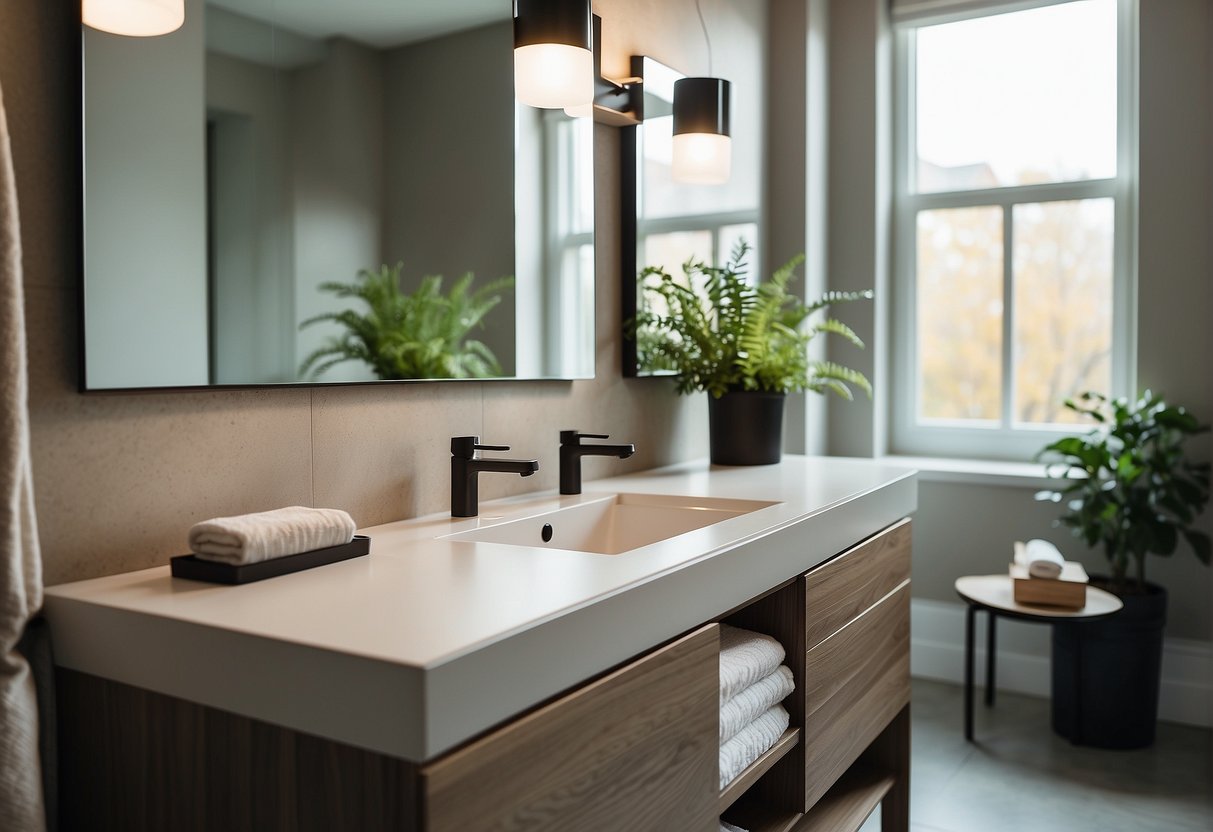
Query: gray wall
{"x": 148, "y": 313}
{"x": 119, "y": 479}
{"x": 338, "y": 185}
{"x": 450, "y": 170}
{"x": 964, "y": 528}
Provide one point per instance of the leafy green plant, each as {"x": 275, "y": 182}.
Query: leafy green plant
{"x": 719, "y": 332}
{"x": 419, "y": 335}
{"x": 1128, "y": 484}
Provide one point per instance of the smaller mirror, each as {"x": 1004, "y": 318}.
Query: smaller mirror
{"x": 665, "y": 223}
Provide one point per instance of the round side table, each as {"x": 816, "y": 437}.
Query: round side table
{"x": 995, "y": 595}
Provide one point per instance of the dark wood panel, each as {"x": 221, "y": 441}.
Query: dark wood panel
{"x": 135, "y": 760}
{"x": 843, "y": 588}
{"x": 780, "y": 615}
{"x": 890, "y": 752}
{"x": 635, "y": 750}
{"x": 857, "y": 681}
{"x": 848, "y": 804}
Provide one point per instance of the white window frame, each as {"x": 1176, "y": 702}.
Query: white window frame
{"x": 1006, "y": 440}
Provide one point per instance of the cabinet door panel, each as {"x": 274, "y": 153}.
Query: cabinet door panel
{"x": 635, "y": 750}
{"x": 856, "y": 682}
{"x": 841, "y": 589}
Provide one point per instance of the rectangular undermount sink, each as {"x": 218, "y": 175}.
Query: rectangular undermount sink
{"x": 613, "y": 524}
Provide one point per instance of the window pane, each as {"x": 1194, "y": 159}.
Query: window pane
{"x": 959, "y": 304}
{"x": 1063, "y": 305}
{"x": 1017, "y": 99}
{"x": 671, "y": 250}
{"x": 728, "y": 238}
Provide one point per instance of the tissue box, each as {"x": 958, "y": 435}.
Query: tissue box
{"x": 1069, "y": 590}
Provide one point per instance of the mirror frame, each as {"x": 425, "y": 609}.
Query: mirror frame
{"x": 76, "y": 125}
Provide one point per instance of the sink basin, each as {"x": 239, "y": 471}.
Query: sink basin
{"x": 612, "y": 524}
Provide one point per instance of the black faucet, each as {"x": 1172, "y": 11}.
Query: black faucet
{"x": 571, "y": 452}
{"x": 465, "y": 465}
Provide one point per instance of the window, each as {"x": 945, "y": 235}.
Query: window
{"x": 1013, "y": 225}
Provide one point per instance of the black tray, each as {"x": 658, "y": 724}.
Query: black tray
{"x": 196, "y": 569}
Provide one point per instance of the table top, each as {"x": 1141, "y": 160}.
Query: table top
{"x": 995, "y": 592}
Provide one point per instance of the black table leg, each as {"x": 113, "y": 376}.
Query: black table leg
{"x": 990, "y": 662}
{"x": 970, "y": 618}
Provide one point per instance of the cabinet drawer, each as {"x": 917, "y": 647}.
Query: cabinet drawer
{"x": 856, "y": 681}
{"x": 841, "y": 589}
{"x": 635, "y": 750}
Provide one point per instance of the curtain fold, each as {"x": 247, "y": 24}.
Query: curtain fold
{"x": 21, "y": 798}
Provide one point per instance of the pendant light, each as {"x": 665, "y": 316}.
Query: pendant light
{"x": 703, "y": 149}
{"x": 553, "y": 57}
{"x": 136, "y": 18}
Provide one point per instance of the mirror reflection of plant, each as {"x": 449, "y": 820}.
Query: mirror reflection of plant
{"x": 721, "y": 333}
{"x": 402, "y": 335}
{"x": 1128, "y": 485}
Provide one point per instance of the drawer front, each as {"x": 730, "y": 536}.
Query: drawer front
{"x": 838, "y": 591}
{"x": 635, "y": 750}
{"x": 856, "y": 682}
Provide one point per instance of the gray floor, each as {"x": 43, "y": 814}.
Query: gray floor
{"x": 1019, "y": 776}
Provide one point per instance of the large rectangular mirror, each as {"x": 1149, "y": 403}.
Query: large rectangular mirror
{"x": 667, "y": 222}
{"x": 292, "y": 192}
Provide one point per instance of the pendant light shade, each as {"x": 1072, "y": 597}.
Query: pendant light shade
{"x": 703, "y": 150}
{"x": 553, "y": 53}
{"x": 136, "y": 18}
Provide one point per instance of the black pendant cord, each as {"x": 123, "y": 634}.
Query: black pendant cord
{"x": 706, "y": 37}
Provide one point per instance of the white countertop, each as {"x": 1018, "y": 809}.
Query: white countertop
{"x": 426, "y": 642}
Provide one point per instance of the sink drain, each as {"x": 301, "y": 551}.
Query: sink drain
{"x": 546, "y": 534}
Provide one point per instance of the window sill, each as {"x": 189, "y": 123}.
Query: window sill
{"x": 975, "y": 471}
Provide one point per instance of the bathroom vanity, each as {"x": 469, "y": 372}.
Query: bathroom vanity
{"x": 462, "y": 678}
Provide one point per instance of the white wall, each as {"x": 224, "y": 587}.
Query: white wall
{"x": 966, "y": 528}
{"x": 146, "y": 306}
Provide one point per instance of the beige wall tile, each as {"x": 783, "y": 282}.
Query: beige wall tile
{"x": 383, "y": 452}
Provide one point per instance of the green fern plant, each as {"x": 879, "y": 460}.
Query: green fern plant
{"x": 401, "y": 335}
{"x": 721, "y": 333}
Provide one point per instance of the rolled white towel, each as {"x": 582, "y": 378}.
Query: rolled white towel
{"x": 1041, "y": 557}
{"x": 751, "y": 743}
{"x": 745, "y": 657}
{"x": 725, "y": 826}
{"x": 755, "y": 700}
{"x": 250, "y": 538}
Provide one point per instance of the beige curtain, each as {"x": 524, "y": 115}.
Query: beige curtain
{"x": 21, "y": 808}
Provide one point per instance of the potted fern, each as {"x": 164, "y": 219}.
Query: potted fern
{"x": 407, "y": 336}
{"x": 745, "y": 344}
{"x": 1129, "y": 489}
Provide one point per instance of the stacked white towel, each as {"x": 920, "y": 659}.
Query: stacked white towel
{"x": 752, "y": 684}
{"x": 725, "y": 826}
{"x": 745, "y": 657}
{"x": 250, "y": 538}
{"x": 1042, "y": 559}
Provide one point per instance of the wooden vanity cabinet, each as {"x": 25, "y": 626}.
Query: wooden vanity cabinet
{"x": 634, "y": 750}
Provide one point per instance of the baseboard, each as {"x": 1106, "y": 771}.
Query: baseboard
{"x": 937, "y": 652}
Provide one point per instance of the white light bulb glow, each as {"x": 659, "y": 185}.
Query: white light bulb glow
{"x": 554, "y": 76}
{"x": 136, "y": 18}
{"x": 702, "y": 158}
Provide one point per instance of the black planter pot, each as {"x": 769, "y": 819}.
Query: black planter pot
{"x": 1106, "y": 674}
{"x": 746, "y": 428}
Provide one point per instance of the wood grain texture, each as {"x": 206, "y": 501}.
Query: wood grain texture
{"x": 751, "y": 773}
{"x": 844, "y": 587}
{"x": 780, "y": 615}
{"x": 135, "y": 760}
{"x": 890, "y": 753}
{"x": 857, "y": 681}
{"x": 846, "y": 806}
{"x": 635, "y": 750}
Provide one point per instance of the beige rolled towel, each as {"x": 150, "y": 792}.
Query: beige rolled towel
{"x": 251, "y": 538}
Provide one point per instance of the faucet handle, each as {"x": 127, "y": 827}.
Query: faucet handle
{"x": 573, "y": 437}
{"x": 466, "y": 446}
